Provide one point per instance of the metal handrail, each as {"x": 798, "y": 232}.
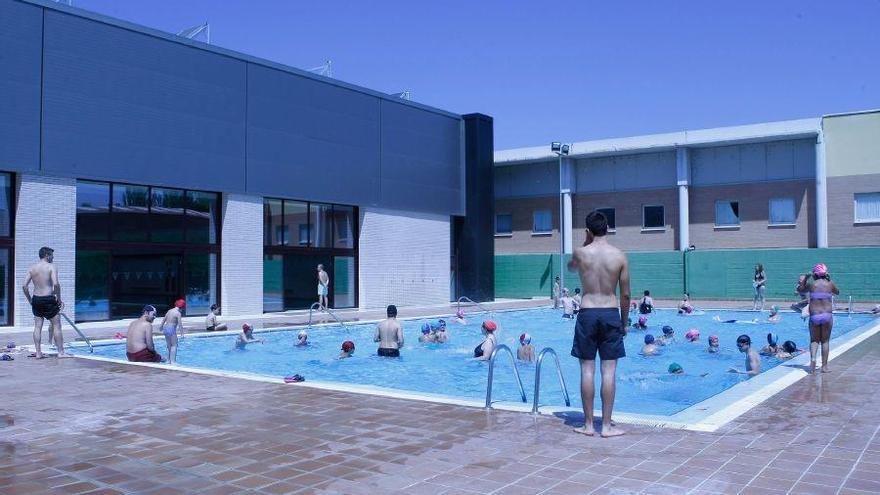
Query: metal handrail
{"x": 522, "y": 391}
{"x": 464, "y": 298}
{"x": 331, "y": 313}
{"x": 82, "y": 335}
{"x": 849, "y": 308}
{"x": 538, "y": 362}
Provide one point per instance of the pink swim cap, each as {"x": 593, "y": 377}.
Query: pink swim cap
{"x": 692, "y": 334}
{"x": 688, "y": 309}
{"x": 459, "y": 314}
{"x": 643, "y": 320}
{"x": 713, "y": 338}
{"x": 820, "y": 270}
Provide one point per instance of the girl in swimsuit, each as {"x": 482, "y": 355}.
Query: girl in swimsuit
{"x": 758, "y": 282}
{"x": 821, "y": 289}
{"x": 484, "y": 351}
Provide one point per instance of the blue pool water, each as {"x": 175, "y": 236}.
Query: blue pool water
{"x": 644, "y": 386}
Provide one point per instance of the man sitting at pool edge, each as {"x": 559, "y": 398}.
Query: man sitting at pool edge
{"x": 139, "y": 339}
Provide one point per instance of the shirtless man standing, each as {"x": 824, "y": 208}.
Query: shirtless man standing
{"x": 601, "y": 321}
{"x": 389, "y": 335}
{"x": 139, "y": 338}
{"x": 323, "y": 287}
{"x": 171, "y": 323}
{"x": 46, "y": 301}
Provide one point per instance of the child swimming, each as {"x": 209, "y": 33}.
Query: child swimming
{"x": 526, "y": 351}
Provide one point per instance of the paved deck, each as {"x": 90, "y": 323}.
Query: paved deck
{"x": 76, "y": 426}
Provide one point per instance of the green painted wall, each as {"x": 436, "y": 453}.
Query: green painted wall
{"x": 722, "y": 274}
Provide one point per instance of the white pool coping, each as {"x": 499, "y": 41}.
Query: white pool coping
{"x": 707, "y": 416}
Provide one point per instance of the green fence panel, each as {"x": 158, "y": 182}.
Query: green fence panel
{"x": 659, "y": 272}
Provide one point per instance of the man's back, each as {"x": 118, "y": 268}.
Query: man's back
{"x": 600, "y": 266}
{"x": 136, "y": 338}
{"x": 41, "y": 276}
{"x": 389, "y": 333}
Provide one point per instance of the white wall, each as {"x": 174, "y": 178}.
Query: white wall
{"x": 45, "y": 216}
{"x": 404, "y": 258}
{"x": 241, "y": 260}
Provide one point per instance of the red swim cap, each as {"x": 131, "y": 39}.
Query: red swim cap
{"x": 490, "y": 325}
{"x": 348, "y": 346}
{"x": 180, "y": 303}
{"x": 246, "y": 327}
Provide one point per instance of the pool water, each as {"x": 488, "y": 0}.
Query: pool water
{"x": 644, "y": 386}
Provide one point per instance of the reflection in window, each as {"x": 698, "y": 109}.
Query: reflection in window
{"x": 272, "y": 224}
{"x": 296, "y": 216}
{"x": 166, "y": 215}
{"x": 273, "y": 283}
{"x": 343, "y": 285}
{"x": 130, "y": 208}
{"x": 92, "y": 210}
{"x": 5, "y": 265}
{"x": 782, "y": 211}
{"x": 321, "y": 225}
{"x": 653, "y": 217}
{"x": 343, "y": 218}
{"x": 201, "y": 283}
{"x": 92, "y": 297}
{"x": 201, "y": 213}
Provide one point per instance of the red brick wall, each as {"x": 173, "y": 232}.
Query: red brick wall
{"x": 522, "y": 240}
{"x": 628, "y": 212}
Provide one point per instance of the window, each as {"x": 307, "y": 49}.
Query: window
{"x": 7, "y": 244}
{"x": 609, "y": 215}
{"x": 727, "y": 213}
{"x": 503, "y": 224}
{"x": 782, "y": 212}
{"x": 542, "y": 222}
{"x": 299, "y": 235}
{"x": 867, "y": 207}
{"x": 653, "y": 217}
{"x": 92, "y": 211}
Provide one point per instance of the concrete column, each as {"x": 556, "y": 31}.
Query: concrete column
{"x": 821, "y": 193}
{"x": 683, "y": 175}
{"x": 241, "y": 255}
{"x": 45, "y": 216}
{"x": 567, "y": 221}
{"x": 566, "y": 188}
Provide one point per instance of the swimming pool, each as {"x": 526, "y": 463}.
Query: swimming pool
{"x": 644, "y": 386}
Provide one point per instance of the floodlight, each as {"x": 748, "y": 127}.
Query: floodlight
{"x": 555, "y": 147}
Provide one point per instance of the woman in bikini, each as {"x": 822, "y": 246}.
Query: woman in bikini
{"x": 821, "y": 289}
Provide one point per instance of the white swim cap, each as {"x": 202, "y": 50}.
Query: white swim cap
{"x": 302, "y": 333}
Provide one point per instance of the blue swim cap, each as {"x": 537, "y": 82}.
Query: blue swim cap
{"x": 771, "y": 339}
{"x": 667, "y": 330}
{"x": 426, "y": 328}
{"x": 649, "y": 339}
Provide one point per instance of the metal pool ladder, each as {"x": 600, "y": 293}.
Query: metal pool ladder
{"x": 548, "y": 350}
{"x": 331, "y": 313}
{"x": 82, "y": 335}
{"x": 467, "y": 299}
{"x": 522, "y": 391}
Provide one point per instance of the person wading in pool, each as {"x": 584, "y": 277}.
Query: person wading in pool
{"x": 821, "y": 290}
{"x": 46, "y": 300}
{"x": 389, "y": 335}
{"x": 139, "y": 338}
{"x": 602, "y": 319}
{"x": 171, "y": 323}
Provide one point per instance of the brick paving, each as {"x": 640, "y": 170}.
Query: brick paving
{"x": 76, "y": 426}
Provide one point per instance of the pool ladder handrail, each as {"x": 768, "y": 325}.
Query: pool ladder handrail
{"x": 538, "y": 361}
{"x": 467, "y": 299}
{"x": 331, "y": 313}
{"x": 522, "y": 390}
{"x": 82, "y": 335}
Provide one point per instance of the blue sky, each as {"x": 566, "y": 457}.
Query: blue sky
{"x": 567, "y": 71}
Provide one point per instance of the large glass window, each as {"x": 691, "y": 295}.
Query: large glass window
{"x": 653, "y": 217}
{"x": 610, "y": 216}
{"x": 782, "y": 211}
{"x": 727, "y": 214}
{"x": 867, "y": 207}
{"x": 542, "y": 222}
{"x": 7, "y": 245}
{"x": 140, "y": 245}
{"x": 299, "y": 235}
{"x": 503, "y": 224}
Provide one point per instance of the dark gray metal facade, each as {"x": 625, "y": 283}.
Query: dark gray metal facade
{"x": 85, "y": 96}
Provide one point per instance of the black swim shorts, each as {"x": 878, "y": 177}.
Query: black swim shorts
{"x": 389, "y": 352}
{"x": 44, "y": 306}
{"x": 598, "y": 329}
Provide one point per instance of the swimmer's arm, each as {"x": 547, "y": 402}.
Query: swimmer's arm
{"x": 56, "y": 285}
{"x": 834, "y": 289}
{"x": 624, "y": 294}
{"x": 27, "y": 292}
{"x": 149, "y": 339}
{"x": 376, "y": 335}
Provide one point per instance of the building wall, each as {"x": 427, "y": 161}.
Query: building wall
{"x": 529, "y": 180}
{"x": 522, "y": 240}
{"x": 753, "y": 162}
{"x": 754, "y": 230}
{"x": 626, "y": 172}
{"x": 842, "y": 229}
{"x": 241, "y": 256}
{"x": 404, "y": 258}
{"x": 629, "y": 234}
{"x": 21, "y": 49}
{"x": 45, "y": 216}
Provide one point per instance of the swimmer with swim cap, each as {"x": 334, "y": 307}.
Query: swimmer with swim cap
{"x": 774, "y": 314}
{"x": 347, "y": 350}
{"x": 714, "y": 344}
{"x": 526, "y": 351}
{"x": 302, "y": 338}
{"x": 427, "y": 336}
{"x": 668, "y": 336}
{"x": 483, "y": 351}
{"x": 675, "y": 369}
{"x": 246, "y": 337}
{"x": 440, "y": 334}
{"x": 772, "y": 347}
{"x": 753, "y": 360}
{"x": 643, "y": 323}
{"x": 649, "y": 349}
{"x": 692, "y": 335}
